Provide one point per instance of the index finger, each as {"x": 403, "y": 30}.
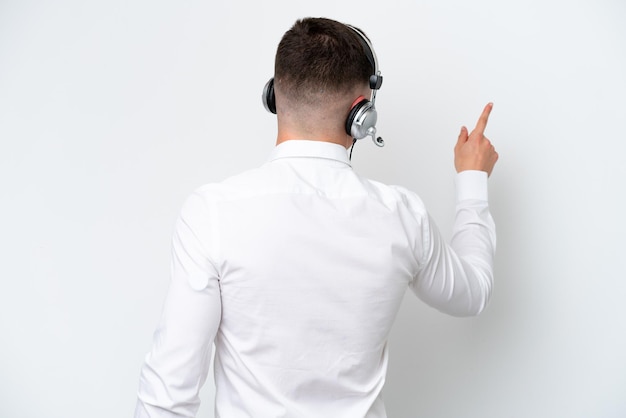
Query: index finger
{"x": 483, "y": 119}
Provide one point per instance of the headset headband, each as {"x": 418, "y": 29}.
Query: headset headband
{"x": 376, "y": 80}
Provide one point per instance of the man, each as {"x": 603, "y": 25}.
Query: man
{"x": 296, "y": 270}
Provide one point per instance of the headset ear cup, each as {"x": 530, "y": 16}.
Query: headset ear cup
{"x": 268, "y": 97}
{"x": 353, "y": 114}
{"x": 361, "y": 119}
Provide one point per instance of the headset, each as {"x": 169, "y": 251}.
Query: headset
{"x": 361, "y": 121}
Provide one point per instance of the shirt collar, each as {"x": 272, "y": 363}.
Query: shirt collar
{"x": 295, "y": 148}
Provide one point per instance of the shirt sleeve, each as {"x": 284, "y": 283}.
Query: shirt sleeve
{"x": 457, "y": 278}
{"x": 177, "y": 365}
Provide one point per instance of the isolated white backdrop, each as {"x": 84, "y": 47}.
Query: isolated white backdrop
{"x": 111, "y": 112}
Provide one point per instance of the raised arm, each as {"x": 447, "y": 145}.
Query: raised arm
{"x": 457, "y": 278}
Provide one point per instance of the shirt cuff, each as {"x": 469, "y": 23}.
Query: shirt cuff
{"x": 471, "y": 185}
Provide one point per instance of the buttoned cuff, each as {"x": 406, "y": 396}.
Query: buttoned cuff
{"x": 471, "y": 185}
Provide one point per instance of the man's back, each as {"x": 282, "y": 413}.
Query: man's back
{"x": 308, "y": 263}
{"x": 314, "y": 265}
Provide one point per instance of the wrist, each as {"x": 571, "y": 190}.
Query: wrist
{"x": 471, "y": 185}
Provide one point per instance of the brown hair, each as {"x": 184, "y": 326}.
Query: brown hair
{"x": 317, "y": 57}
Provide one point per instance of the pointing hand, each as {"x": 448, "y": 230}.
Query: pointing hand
{"x": 475, "y": 151}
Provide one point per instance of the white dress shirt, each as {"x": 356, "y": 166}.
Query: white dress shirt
{"x": 295, "y": 271}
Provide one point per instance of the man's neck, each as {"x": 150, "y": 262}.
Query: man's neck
{"x": 341, "y": 139}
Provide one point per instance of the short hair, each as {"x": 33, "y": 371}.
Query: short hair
{"x": 320, "y": 56}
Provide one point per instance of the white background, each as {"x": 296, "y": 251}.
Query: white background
{"x": 111, "y": 112}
